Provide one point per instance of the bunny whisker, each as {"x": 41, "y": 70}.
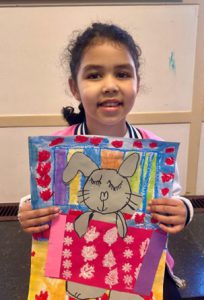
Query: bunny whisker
{"x": 83, "y": 191}
{"x": 133, "y": 202}
{"x": 81, "y": 201}
{"x": 132, "y": 194}
{"x": 82, "y": 195}
{"x": 133, "y": 208}
{"x": 128, "y": 198}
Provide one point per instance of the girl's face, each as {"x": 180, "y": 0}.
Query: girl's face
{"x": 107, "y": 86}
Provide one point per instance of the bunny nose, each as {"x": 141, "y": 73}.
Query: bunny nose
{"x": 104, "y": 196}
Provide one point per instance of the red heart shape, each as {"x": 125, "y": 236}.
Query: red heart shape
{"x": 81, "y": 139}
{"x": 43, "y": 168}
{"x": 43, "y": 155}
{"x": 169, "y": 150}
{"x": 167, "y": 177}
{"x": 46, "y": 195}
{"x": 169, "y": 161}
{"x": 43, "y": 181}
{"x": 137, "y": 144}
{"x": 56, "y": 141}
{"x": 153, "y": 145}
{"x": 139, "y": 218}
{"x": 95, "y": 141}
{"x": 117, "y": 144}
{"x": 165, "y": 191}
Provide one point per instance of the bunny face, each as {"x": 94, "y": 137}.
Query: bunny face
{"x": 105, "y": 191}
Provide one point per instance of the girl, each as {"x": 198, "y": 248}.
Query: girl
{"x": 104, "y": 64}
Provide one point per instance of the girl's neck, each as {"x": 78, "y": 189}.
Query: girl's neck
{"x": 108, "y": 130}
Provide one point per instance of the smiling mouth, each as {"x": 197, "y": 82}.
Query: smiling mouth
{"x": 102, "y": 209}
{"x": 110, "y": 103}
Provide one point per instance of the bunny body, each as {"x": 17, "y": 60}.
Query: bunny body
{"x": 107, "y": 195}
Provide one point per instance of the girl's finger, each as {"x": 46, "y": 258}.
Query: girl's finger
{"x": 36, "y": 229}
{"x": 172, "y": 229}
{"x": 170, "y": 220}
{"x": 165, "y": 209}
{"x": 37, "y": 221}
{"x": 166, "y": 201}
{"x": 32, "y": 214}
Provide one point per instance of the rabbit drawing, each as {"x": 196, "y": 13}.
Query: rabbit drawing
{"x": 107, "y": 194}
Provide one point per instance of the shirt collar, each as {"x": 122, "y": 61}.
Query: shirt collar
{"x": 132, "y": 132}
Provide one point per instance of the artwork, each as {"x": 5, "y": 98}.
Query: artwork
{"x": 104, "y": 239}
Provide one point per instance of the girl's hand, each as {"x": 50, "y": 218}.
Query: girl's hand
{"x": 33, "y": 221}
{"x": 170, "y": 213}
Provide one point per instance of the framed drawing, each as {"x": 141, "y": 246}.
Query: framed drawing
{"x": 104, "y": 238}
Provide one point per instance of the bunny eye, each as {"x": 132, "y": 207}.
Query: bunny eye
{"x": 96, "y": 182}
{"x": 114, "y": 188}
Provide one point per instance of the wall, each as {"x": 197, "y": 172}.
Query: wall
{"x": 34, "y": 85}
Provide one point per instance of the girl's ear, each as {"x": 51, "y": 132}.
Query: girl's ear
{"x": 74, "y": 89}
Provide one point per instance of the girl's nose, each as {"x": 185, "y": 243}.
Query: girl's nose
{"x": 110, "y": 85}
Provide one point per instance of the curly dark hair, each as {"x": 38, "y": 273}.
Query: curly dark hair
{"x": 75, "y": 50}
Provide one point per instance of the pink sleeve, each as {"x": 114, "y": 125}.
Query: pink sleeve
{"x": 66, "y": 131}
{"x": 146, "y": 134}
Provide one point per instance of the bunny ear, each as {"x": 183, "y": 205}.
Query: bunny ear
{"x": 129, "y": 165}
{"x": 79, "y": 162}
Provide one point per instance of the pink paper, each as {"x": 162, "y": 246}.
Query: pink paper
{"x": 100, "y": 258}
{"x": 55, "y": 248}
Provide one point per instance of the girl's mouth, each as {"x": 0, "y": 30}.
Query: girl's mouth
{"x": 110, "y": 103}
{"x": 102, "y": 209}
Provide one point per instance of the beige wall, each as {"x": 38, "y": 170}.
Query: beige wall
{"x": 34, "y": 85}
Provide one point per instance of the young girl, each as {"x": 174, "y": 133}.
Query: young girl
{"x": 104, "y": 64}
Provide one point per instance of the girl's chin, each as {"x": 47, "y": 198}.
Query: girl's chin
{"x": 108, "y": 126}
{"x": 111, "y": 120}
{"x": 110, "y": 110}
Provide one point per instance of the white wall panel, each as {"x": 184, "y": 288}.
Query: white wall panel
{"x": 32, "y": 39}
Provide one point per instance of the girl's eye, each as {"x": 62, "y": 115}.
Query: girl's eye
{"x": 114, "y": 188}
{"x": 93, "y": 76}
{"x": 96, "y": 182}
{"x": 123, "y": 75}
